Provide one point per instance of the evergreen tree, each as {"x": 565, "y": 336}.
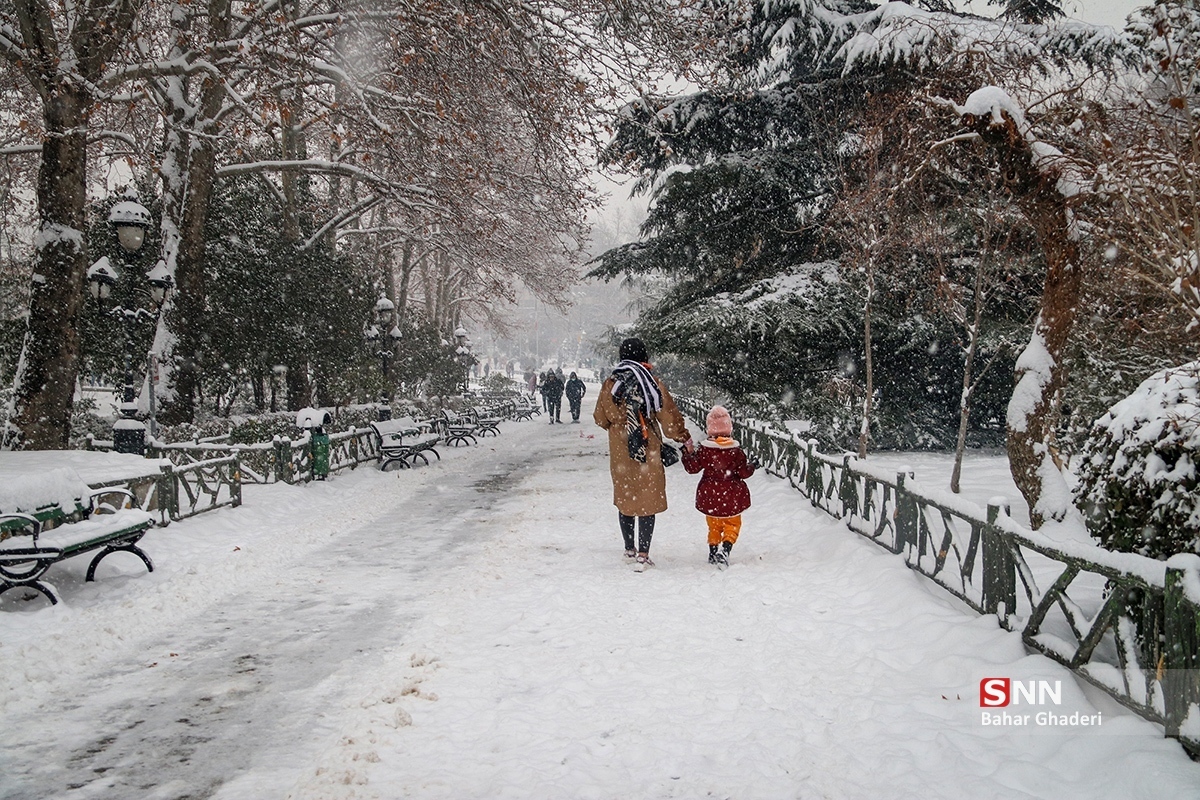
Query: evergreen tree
{"x": 1030, "y": 11}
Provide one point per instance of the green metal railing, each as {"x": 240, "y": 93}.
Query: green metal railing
{"x": 283, "y": 459}
{"x": 1127, "y": 624}
{"x": 204, "y": 486}
{"x": 178, "y": 492}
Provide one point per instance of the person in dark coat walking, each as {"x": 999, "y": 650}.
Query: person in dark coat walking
{"x": 552, "y": 390}
{"x": 722, "y": 494}
{"x": 575, "y": 392}
{"x": 638, "y": 412}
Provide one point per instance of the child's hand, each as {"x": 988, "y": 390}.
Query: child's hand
{"x": 754, "y": 464}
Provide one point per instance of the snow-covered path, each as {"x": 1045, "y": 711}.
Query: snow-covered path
{"x": 228, "y": 676}
{"x": 469, "y": 630}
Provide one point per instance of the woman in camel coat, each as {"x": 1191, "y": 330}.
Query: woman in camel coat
{"x": 636, "y": 409}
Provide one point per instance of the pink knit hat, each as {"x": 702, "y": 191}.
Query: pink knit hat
{"x": 718, "y": 422}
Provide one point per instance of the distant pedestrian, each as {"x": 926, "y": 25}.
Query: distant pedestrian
{"x": 722, "y": 494}
{"x": 531, "y": 382}
{"x": 541, "y": 386}
{"x": 636, "y": 409}
{"x": 552, "y": 393}
{"x": 575, "y": 390}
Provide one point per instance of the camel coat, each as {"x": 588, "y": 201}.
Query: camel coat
{"x": 639, "y": 490}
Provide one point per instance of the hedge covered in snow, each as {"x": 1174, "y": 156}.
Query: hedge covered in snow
{"x": 1139, "y": 488}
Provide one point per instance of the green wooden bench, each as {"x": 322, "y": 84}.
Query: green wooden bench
{"x": 30, "y": 543}
{"x": 524, "y": 408}
{"x": 457, "y": 429}
{"x": 485, "y": 421}
{"x": 403, "y": 441}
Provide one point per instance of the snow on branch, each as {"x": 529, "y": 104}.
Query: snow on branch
{"x": 10, "y": 46}
{"x": 847, "y": 38}
{"x": 358, "y": 209}
{"x": 999, "y": 107}
{"x": 182, "y": 66}
{"x": 398, "y": 192}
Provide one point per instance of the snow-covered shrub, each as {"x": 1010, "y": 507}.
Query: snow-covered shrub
{"x": 1139, "y": 488}
{"x": 85, "y": 421}
{"x": 499, "y": 383}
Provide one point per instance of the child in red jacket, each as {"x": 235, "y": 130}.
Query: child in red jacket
{"x": 722, "y": 494}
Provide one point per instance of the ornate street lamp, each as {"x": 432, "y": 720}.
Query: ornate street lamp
{"x": 129, "y": 221}
{"x": 463, "y": 355}
{"x": 384, "y": 347}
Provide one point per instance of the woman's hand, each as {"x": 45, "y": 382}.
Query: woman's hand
{"x": 689, "y": 446}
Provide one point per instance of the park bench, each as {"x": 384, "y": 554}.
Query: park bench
{"x": 458, "y": 429}
{"x": 404, "y": 440}
{"x": 489, "y": 424}
{"x": 30, "y": 543}
{"x": 525, "y": 408}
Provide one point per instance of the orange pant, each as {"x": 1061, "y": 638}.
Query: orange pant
{"x": 723, "y": 529}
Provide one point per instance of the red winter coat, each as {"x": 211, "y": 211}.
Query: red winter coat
{"x": 722, "y": 491}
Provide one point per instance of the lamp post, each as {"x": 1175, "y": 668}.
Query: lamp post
{"x": 129, "y": 221}
{"x": 463, "y": 354}
{"x": 384, "y": 346}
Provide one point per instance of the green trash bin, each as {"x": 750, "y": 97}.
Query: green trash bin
{"x": 314, "y": 421}
{"x": 320, "y": 454}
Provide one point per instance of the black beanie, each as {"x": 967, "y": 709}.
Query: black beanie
{"x": 633, "y": 350}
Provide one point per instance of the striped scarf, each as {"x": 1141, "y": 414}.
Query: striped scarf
{"x": 626, "y": 373}
{"x": 636, "y": 388}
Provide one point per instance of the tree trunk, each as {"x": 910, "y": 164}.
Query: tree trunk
{"x": 173, "y": 95}
{"x": 1041, "y": 375}
{"x": 964, "y": 402}
{"x": 1040, "y": 370}
{"x": 49, "y": 364}
{"x": 406, "y": 267}
{"x": 864, "y": 433}
{"x": 187, "y": 319}
{"x": 292, "y": 143}
{"x": 299, "y": 387}
{"x": 256, "y": 381}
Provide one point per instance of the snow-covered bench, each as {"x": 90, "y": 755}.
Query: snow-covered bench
{"x": 402, "y": 441}
{"x": 485, "y": 421}
{"x": 28, "y": 547}
{"x": 524, "y": 408}
{"x": 458, "y": 429}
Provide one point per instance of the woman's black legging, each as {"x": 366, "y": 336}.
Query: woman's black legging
{"x": 645, "y": 531}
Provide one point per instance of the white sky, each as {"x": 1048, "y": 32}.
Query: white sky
{"x": 1102, "y": 12}
{"x": 1099, "y": 12}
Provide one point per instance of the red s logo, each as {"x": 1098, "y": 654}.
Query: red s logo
{"x": 994, "y": 692}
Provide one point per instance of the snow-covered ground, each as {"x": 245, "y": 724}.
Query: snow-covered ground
{"x": 470, "y": 630}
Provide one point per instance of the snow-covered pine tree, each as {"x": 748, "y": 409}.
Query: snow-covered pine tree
{"x": 809, "y": 70}
{"x": 1031, "y": 11}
